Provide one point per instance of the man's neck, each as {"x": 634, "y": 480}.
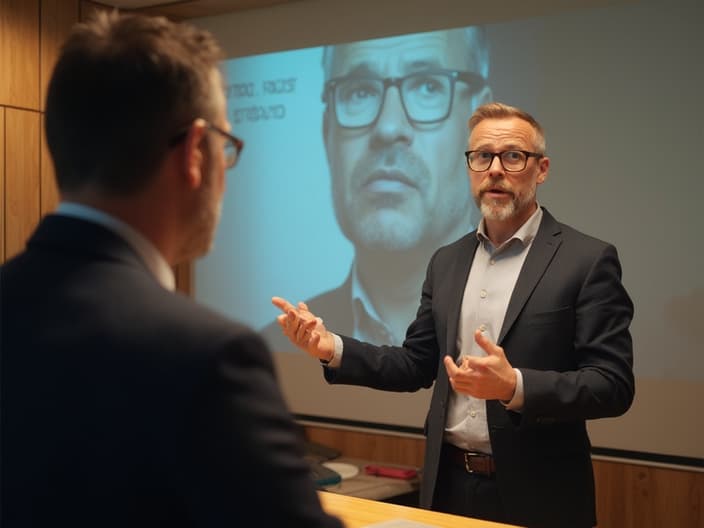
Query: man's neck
{"x": 136, "y": 211}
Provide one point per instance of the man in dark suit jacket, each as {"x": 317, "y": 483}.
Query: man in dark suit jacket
{"x": 526, "y": 320}
{"x": 124, "y": 403}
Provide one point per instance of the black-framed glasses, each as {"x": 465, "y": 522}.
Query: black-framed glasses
{"x": 233, "y": 144}
{"x": 426, "y": 97}
{"x": 511, "y": 160}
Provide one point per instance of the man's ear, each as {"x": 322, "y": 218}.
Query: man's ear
{"x": 543, "y": 165}
{"x": 194, "y": 154}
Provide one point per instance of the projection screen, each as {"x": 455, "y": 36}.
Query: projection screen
{"x": 618, "y": 89}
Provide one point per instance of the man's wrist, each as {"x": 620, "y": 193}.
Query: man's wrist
{"x": 336, "y": 354}
{"x": 328, "y": 360}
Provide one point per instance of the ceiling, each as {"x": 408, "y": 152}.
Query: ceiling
{"x": 180, "y": 10}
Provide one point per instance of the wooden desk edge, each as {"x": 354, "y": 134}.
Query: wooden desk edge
{"x": 357, "y": 513}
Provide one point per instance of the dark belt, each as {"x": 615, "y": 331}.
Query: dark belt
{"x": 470, "y": 461}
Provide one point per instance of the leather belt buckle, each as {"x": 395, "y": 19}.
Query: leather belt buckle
{"x": 478, "y": 463}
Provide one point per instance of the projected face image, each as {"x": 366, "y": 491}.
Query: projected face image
{"x": 395, "y": 129}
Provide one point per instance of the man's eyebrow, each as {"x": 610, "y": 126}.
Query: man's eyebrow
{"x": 361, "y": 70}
{"x": 423, "y": 65}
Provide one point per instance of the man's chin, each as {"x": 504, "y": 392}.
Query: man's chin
{"x": 391, "y": 238}
{"x": 498, "y": 212}
{"x": 196, "y": 249}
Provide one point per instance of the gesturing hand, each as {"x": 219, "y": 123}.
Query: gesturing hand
{"x": 490, "y": 377}
{"x": 304, "y": 329}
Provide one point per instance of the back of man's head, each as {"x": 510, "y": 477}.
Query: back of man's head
{"x": 123, "y": 89}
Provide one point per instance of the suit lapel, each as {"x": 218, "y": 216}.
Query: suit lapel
{"x": 541, "y": 252}
{"x": 458, "y": 277}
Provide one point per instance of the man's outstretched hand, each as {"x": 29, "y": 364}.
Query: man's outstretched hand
{"x": 304, "y": 329}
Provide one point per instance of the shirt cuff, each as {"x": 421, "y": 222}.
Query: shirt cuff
{"x": 336, "y": 355}
{"x": 516, "y": 403}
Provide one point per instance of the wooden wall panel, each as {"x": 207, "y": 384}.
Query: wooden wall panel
{"x": 19, "y": 53}
{"x": 630, "y": 495}
{"x": 3, "y": 206}
{"x": 370, "y": 446}
{"x": 21, "y": 177}
{"x": 57, "y": 19}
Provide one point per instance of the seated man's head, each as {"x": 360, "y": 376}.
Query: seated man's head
{"x": 395, "y": 128}
{"x": 130, "y": 99}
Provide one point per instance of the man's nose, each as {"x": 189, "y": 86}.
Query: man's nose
{"x": 393, "y": 124}
{"x": 496, "y": 168}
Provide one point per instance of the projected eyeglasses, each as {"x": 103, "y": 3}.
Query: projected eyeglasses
{"x": 426, "y": 97}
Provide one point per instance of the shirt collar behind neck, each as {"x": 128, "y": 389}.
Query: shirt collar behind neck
{"x": 151, "y": 257}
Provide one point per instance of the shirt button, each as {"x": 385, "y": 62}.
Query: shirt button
{"x": 482, "y": 328}
{"x": 482, "y": 294}
{"x": 473, "y": 413}
{"x": 492, "y": 261}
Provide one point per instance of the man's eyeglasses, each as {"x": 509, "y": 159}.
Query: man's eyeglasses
{"x": 233, "y": 144}
{"x": 511, "y": 160}
{"x": 426, "y": 97}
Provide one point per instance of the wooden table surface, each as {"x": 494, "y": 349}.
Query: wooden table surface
{"x": 357, "y": 512}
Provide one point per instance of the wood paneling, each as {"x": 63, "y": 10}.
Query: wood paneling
{"x": 370, "y": 446}
{"x": 57, "y": 19}
{"x": 21, "y": 177}
{"x": 3, "y": 206}
{"x": 631, "y": 495}
{"x": 19, "y": 53}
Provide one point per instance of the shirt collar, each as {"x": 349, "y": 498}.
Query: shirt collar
{"x": 359, "y": 294}
{"x": 366, "y": 320}
{"x": 151, "y": 257}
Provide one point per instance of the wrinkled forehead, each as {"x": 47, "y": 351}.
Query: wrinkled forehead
{"x": 394, "y": 56}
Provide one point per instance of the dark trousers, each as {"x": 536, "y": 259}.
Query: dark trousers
{"x": 468, "y": 494}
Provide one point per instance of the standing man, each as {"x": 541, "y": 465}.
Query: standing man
{"x": 523, "y": 325}
{"x": 124, "y": 403}
{"x": 395, "y": 107}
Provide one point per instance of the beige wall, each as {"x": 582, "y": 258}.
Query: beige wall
{"x": 629, "y": 496}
